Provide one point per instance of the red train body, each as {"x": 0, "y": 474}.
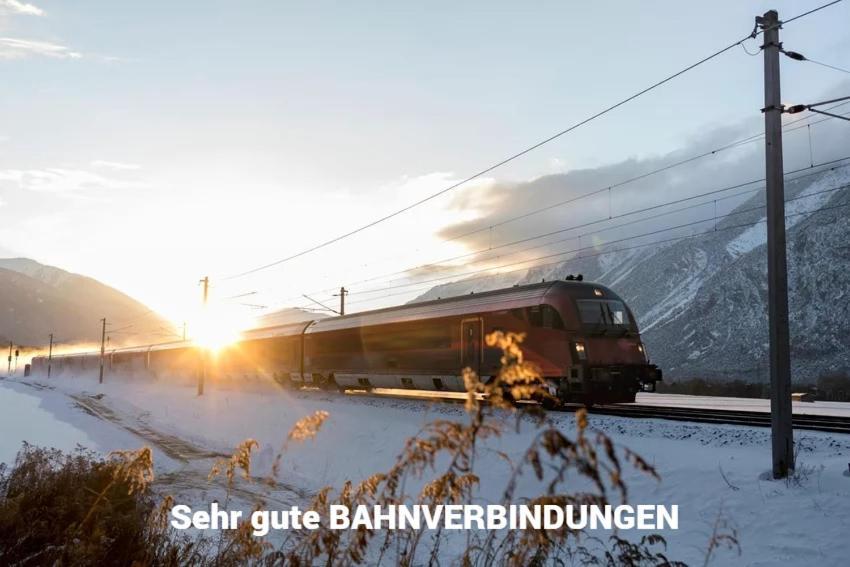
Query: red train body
{"x": 581, "y": 335}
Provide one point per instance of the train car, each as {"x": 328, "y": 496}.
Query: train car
{"x": 582, "y": 337}
{"x": 263, "y": 355}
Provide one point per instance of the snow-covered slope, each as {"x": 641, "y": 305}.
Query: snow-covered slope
{"x": 713, "y": 472}
{"x": 701, "y": 302}
{"x": 36, "y": 300}
{"x": 287, "y": 316}
{"x": 49, "y": 275}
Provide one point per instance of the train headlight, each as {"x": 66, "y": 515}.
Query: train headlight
{"x": 580, "y": 351}
{"x": 640, "y": 349}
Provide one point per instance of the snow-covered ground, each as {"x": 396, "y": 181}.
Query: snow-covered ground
{"x": 796, "y": 523}
{"x": 841, "y": 409}
{"x": 23, "y": 419}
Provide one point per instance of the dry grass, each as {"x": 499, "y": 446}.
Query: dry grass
{"x": 442, "y": 457}
{"x": 48, "y": 498}
{"x": 78, "y": 509}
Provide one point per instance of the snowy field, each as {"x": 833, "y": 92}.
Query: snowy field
{"x": 804, "y": 522}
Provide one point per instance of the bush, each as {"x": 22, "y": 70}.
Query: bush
{"x": 79, "y": 509}
{"x": 443, "y": 458}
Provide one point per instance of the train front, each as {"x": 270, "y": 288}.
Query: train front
{"x": 609, "y": 363}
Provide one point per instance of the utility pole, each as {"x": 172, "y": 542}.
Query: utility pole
{"x": 9, "y": 370}
{"x": 202, "y": 376}
{"x": 102, "y": 347}
{"x": 777, "y": 271}
{"x": 206, "y": 282}
{"x": 50, "y": 355}
{"x": 342, "y": 293}
{"x": 184, "y": 330}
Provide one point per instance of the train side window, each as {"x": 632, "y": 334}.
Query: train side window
{"x": 551, "y": 318}
{"x": 535, "y": 316}
{"x": 545, "y": 316}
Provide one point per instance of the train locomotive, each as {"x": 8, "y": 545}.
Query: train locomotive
{"x": 581, "y": 335}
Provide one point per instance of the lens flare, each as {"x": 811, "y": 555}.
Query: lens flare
{"x": 217, "y": 327}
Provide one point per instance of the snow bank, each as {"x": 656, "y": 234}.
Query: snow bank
{"x": 42, "y": 427}
{"x": 708, "y": 470}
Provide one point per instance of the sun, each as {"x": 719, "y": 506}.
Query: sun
{"x": 216, "y": 327}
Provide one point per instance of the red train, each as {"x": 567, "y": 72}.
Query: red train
{"x": 581, "y": 335}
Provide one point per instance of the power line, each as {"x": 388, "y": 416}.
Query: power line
{"x": 562, "y": 253}
{"x": 798, "y": 16}
{"x": 811, "y": 108}
{"x": 754, "y": 34}
{"x": 603, "y": 220}
{"x": 797, "y": 56}
{"x": 726, "y": 146}
{"x": 586, "y": 224}
{"x": 523, "y": 152}
{"x": 500, "y": 163}
{"x": 654, "y": 243}
{"x": 325, "y": 307}
{"x": 742, "y": 141}
{"x": 624, "y": 249}
{"x": 661, "y": 169}
{"x": 431, "y": 282}
{"x": 827, "y": 65}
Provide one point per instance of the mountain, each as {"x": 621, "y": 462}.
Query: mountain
{"x": 287, "y": 316}
{"x": 701, "y": 301}
{"x": 36, "y": 300}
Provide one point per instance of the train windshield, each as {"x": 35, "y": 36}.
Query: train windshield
{"x": 604, "y": 313}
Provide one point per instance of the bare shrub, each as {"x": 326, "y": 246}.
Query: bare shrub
{"x": 723, "y": 535}
{"x": 448, "y": 450}
{"x": 240, "y": 460}
{"x": 48, "y": 496}
{"x": 78, "y": 509}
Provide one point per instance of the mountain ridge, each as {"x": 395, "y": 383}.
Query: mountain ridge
{"x": 701, "y": 302}
{"x": 37, "y": 299}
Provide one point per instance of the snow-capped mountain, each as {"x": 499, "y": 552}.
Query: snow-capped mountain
{"x": 702, "y": 301}
{"x": 287, "y": 316}
{"x": 36, "y": 300}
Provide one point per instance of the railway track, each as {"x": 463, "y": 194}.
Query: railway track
{"x": 826, "y": 423}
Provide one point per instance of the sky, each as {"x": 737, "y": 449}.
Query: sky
{"x": 151, "y": 144}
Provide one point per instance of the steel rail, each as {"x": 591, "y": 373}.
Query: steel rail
{"x": 810, "y": 422}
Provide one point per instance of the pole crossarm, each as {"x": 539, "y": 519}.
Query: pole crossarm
{"x": 320, "y": 303}
{"x": 811, "y": 108}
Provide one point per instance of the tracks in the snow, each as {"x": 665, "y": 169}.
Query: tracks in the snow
{"x": 827, "y": 423}
{"x": 195, "y": 460}
{"x": 173, "y": 446}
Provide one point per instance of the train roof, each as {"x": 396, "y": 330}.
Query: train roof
{"x": 496, "y": 300}
{"x": 289, "y": 329}
{"x": 514, "y": 297}
{"x": 118, "y": 350}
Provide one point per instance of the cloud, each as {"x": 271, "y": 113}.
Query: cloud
{"x": 117, "y": 165}
{"x": 13, "y": 48}
{"x": 17, "y": 7}
{"x": 61, "y": 181}
{"x": 497, "y": 203}
{"x": 557, "y": 165}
